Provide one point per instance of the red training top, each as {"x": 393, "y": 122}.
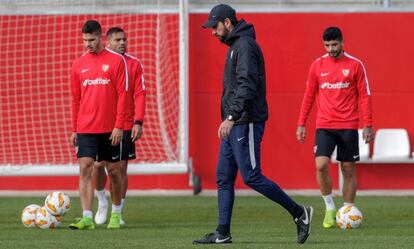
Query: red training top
{"x": 135, "y": 100}
{"x": 337, "y": 84}
{"x": 99, "y": 84}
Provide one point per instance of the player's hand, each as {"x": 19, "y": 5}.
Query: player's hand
{"x": 301, "y": 133}
{"x": 136, "y": 132}
{"x": 368, "y": 134}
{"x": 72, "y": 139}
{"x": 116, "y": 136}
{"x": 225, "y": 128}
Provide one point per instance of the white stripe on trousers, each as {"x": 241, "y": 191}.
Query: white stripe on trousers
{"x": 251, "y": 146}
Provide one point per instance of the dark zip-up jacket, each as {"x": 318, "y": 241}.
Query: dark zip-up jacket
{"x": 244, "y": 80}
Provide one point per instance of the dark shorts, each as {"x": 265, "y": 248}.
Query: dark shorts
{"x": 98, "y": 147}
{"x": 128, "y": 147}
{"x": 345, "y": 140}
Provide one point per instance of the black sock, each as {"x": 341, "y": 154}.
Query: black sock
{"x": 223, "y": 229}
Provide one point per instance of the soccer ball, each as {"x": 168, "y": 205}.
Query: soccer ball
{"x": 29, "y": 215}
{"x": 45, "y": 220}
{"x": 57, "y": 203}
{"x": 348, "y": 217}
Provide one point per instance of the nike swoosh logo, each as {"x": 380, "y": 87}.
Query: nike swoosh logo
{"x": 355, "y": 157}
{"x": 131, "y": 155}
{"x": 222, "y": 240}
{"x": 115, "y": 157}
{"x": 85, "y": 70}
{"x": 306, "y": 220}
{"x": 324, "y": 74}
{"x": 239, "y": 139}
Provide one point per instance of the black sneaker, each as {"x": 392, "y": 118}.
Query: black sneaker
{"x": 303, "y": 224}
{"x": 214, "y": 238}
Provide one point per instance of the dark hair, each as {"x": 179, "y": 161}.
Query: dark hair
{"x": 114, "y": 30}
{"x": 92, "y": 27}
{"x": 332, "y": 33}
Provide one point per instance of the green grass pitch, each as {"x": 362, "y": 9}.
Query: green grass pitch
{"x": 173, "y": 222}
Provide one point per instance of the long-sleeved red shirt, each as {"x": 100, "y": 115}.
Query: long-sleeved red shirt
{"x": 135, "y": 100}
{"x": 338, "y": 85}
{"x": 98, "y": 83}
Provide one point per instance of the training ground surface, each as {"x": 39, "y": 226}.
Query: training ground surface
{"x": 173, "y": 222}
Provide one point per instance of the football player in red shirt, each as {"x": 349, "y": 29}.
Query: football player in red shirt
{"x": 135, "y": 108}
{"x": 338, "y": 81}
{"x": 98, "y": 83}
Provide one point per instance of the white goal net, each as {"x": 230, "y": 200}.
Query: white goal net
{"x": 39, "y": 41}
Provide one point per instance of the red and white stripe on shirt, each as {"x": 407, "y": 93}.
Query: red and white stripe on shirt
{"x": 338, "y": 86}
{"x": 135, "y": 100}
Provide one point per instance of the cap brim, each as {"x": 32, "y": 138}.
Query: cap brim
{"x": 210, "y": 24}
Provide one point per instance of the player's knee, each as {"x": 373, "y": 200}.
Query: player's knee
{"x": 224, "y": 183}
{"x": 322, "y": 167}
{"x": 252, "y": 180}
{"x": 322, "y": 163}
{"x": 114, "y": 171}
{"x": 348, "y": 172}
{"x": 124, "y": 171}
{"x": 86, "y": 169}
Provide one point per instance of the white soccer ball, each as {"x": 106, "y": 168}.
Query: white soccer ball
{"x": 57, "y": 203}
{"x": 349, "y": 217}
{"x": 29, "y": 215}
{"x": 45, "y": 220}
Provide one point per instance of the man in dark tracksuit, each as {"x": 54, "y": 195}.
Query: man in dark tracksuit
{"x": 244, "y": 112}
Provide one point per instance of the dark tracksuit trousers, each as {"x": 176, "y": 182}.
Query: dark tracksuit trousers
{"x": 241, "y": 151}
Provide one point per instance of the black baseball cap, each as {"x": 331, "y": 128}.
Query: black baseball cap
{"x": 219, "y": 13}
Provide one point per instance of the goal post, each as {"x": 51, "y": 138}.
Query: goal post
{"x": 41, "y": 38}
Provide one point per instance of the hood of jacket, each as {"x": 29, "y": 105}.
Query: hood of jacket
{"x": 241, "y": 29}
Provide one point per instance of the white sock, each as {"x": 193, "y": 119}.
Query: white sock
{"x": 101, "y": 197}
{"x": 122, "y": 203}
{"x": 116, "y": 209}
{"x": 329, "y": 202}
{"x": 87, "y": 214}
{"x": 348, "y": 204}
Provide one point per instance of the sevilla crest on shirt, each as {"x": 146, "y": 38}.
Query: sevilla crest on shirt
{"x": 345, "y": 72}
{"x": 105, "y": 67}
